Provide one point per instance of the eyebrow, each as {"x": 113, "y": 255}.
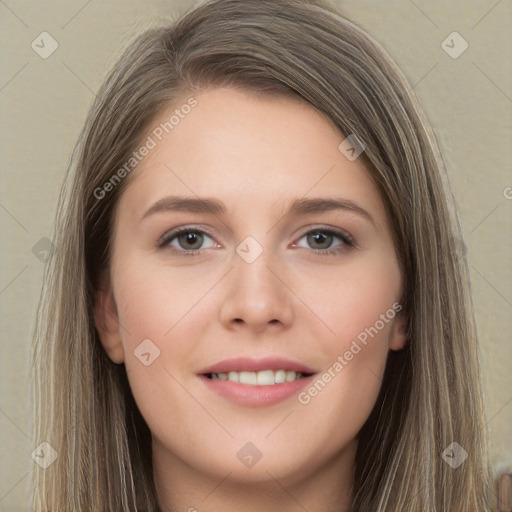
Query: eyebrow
{"x": 299, "y": 206}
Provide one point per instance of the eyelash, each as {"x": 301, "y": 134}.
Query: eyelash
{"x": 345, "y": 238}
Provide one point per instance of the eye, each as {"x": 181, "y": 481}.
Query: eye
{"x": 326, "y": 241}
{"x": 187, "y": 240}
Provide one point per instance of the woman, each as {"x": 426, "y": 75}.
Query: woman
{"x": 258, "y": 296}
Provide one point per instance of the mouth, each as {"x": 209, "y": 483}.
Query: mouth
{"x": 261, "y": 378}
{"x": 256, "y": 382}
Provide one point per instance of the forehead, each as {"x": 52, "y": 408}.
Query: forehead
{"x": 248, "y": 150}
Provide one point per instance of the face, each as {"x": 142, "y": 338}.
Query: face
{"x": 248, "y": 247}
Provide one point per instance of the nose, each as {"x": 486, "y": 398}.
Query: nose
{"x": 256, "y": 297}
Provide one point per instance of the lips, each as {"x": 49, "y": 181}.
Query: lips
{"x": 250, "y": 390}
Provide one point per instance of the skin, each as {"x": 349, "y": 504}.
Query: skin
{"x": 255, "y": 154}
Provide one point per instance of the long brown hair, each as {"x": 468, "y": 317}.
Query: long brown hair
{"x": 430, "y": 394}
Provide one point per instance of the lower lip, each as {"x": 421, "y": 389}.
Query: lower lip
{"x": 255, "y": 396}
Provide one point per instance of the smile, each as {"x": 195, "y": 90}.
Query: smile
{"x": 262, "y": 378}
{"x": 256, "y": 382}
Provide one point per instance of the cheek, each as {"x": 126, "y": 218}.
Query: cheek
{"x": 170, "y": 307}
{"x": 159, "y": 340}
{"x": 154, "y": 299}
{"x": 358, "y": 305}
{"x": 341, "y": 397}
{"x": 351, "y": 299}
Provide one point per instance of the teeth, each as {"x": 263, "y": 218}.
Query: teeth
{"x": 290, "y": 376}
{"x": 248, "y": 378}
{"x": 263, "y": 378}
{"x": 280, "y": 376}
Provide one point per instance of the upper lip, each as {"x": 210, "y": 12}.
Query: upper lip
{"x": 248, "y": 364}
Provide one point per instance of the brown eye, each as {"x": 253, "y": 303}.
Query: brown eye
{"x": 326, "y": 241}
{"x": 320, "y": 239}
{"x": 191, "y": 240}
{"x": 186, "y": 240}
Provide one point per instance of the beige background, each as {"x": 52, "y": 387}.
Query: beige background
{"x": 44, "y": 103}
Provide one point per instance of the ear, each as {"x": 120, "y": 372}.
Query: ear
{"x": 398, "y": 335}
{"x": 106, "y": 319}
